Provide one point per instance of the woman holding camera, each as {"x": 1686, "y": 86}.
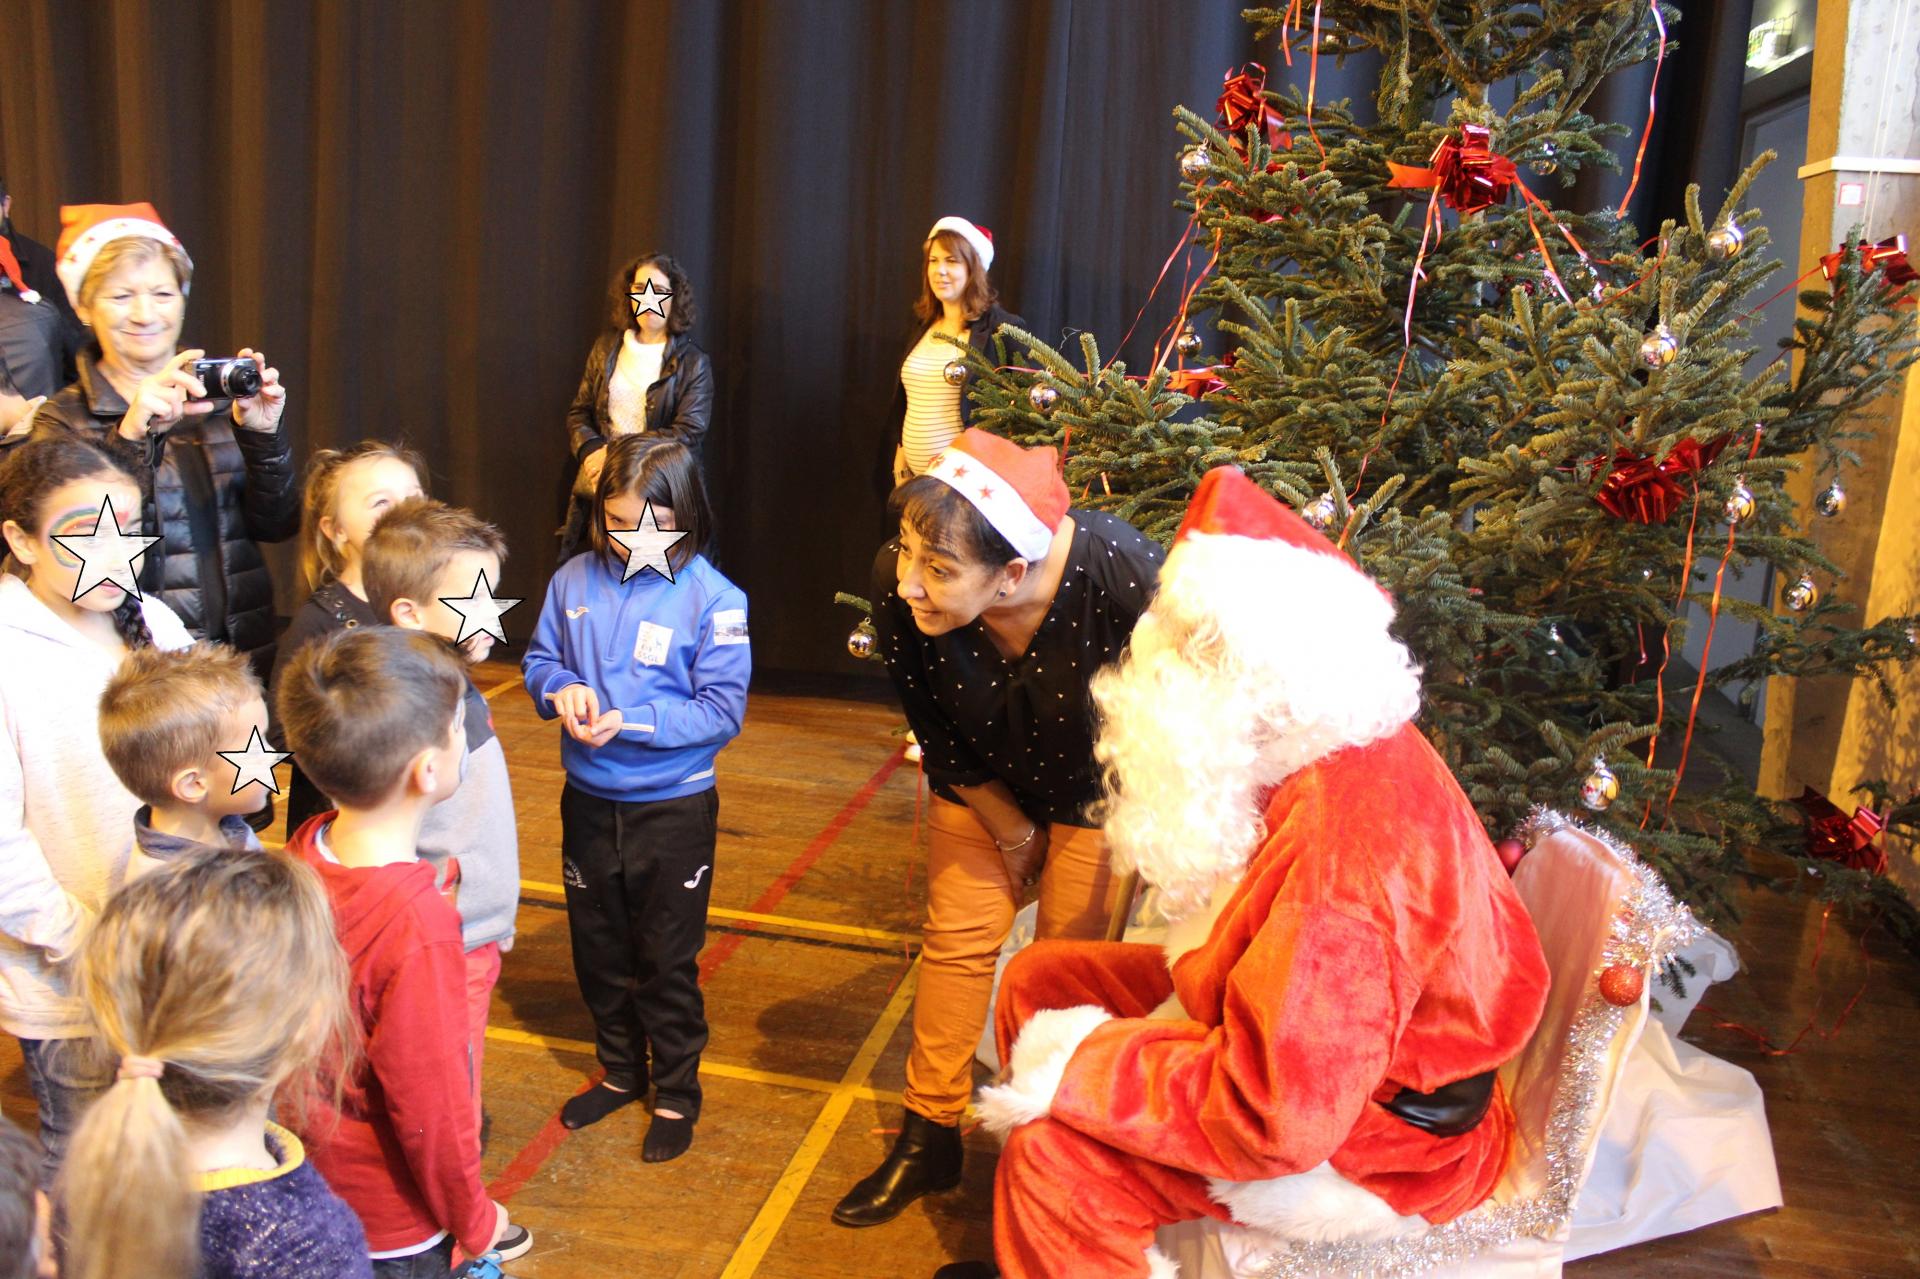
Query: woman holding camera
{"x": 643, "y": 376}
{"x": 214, "y": 463}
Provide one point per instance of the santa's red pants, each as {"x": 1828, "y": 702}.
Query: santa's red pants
{"x": 1067, "y": 1206}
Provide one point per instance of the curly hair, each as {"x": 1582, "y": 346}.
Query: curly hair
{"x": 680, "y": 316}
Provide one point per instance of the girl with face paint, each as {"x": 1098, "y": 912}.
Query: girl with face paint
{"x": 66, "y": 822}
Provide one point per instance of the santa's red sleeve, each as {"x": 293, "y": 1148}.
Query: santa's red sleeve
{"x": 1309, "y": 1018}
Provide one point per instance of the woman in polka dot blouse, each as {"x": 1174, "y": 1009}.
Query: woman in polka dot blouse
{"x": 993, "y": 609}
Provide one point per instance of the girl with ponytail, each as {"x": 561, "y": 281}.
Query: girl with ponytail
{"x": 66, "y": 822}
{"x": 212, "y": 984}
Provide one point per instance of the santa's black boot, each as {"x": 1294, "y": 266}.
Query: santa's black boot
{"x": 968, "y": 1270}
{"x": 925, "y": 1158}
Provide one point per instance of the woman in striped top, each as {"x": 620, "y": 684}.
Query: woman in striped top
{"x": 957, "y": 301}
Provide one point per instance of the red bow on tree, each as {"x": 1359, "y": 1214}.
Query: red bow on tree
{"x": 1243, "y": 101}
{"x": 1201, "y": 381}
{"x": 1832, "y": 836}
{"x": 1889, "y": 256}
{"x": 1645, "y": 492}
{"x": 1470, "y": 177}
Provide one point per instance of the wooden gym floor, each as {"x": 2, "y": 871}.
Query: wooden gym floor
{"x": 809, "y": 979}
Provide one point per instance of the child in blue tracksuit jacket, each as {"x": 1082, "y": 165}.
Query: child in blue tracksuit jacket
{"x": 649, "y": 680}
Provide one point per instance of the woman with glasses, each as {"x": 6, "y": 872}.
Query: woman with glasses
{"x": 643, "y": 376}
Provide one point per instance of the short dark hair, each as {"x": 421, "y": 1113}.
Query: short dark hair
{"x": 19, "y": 1180}
{"x": 359, "y": 705}
{"x": 662, "y": 472}
{"x": 680, "y": 316}
{"x": 413, "y": 543}
{"x": 949, "y": 523}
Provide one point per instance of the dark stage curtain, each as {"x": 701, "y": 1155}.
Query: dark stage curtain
{"x": 415, "y": 208}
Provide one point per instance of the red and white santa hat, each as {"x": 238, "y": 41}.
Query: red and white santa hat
{"x": 1227, "y": 503}
{"x": 85, "y": 229}
{"x": 1018, "y": 490}
{"x": 978, "y": 236}
{"x": 10, "y": 268}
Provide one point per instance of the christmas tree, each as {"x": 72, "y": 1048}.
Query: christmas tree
{"x": 1529, "y": 423}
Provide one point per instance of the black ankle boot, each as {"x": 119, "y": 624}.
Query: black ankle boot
{"x": 925, "y": 1158}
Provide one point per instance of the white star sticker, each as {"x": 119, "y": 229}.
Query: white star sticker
{"x": 255, "y": 764}
{"x": 479, "y": 612}
{"x": 647, "y": 546}
{"x": 106, "y": 554}
{"x": 650, "y": 297}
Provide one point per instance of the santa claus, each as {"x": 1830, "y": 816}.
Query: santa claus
{"x": 1313, "y": 1052}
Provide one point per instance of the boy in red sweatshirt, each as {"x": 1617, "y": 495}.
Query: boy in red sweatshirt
{"x": 374, "y": 716}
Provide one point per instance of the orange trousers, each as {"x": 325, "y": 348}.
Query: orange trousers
{"x": 971, "y": 903}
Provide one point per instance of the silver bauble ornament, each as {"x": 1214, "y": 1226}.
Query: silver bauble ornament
{"x": 1600, "y": 787}
{"x": 1660, "y": 348}
{"x": 1548, "y": 159}
{"x": 955, "y": 372}
{"x": 1188, "y": 343}
{"x": 861, "y": 639}
{"x": 1196, "y": 163}
{"x": 1320, "y": 512}
{"x": 1725, "y": 241}
{"x": 1042, "y": 397}
{"x": 1802, "y": 595}
{"x": 1740, "y": 503}
{"x": 1831, "y": 500}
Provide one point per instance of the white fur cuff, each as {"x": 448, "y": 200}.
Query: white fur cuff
{"x": 1315, "y": 1206}
{"x": 1161, "y": 1266}
{"x": 1038, "y": 1061}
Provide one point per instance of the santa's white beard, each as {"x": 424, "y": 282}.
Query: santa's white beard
{"x": 1229, "y": 686}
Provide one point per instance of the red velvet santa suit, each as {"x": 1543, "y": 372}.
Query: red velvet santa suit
{"x": 1373, "y": 943}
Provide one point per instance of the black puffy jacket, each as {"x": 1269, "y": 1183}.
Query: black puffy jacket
{"x": 212, "y": 492}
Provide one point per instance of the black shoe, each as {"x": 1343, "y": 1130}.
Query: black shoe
{"x": 968, "y": 1270}
{"x": 925, "y": 1158}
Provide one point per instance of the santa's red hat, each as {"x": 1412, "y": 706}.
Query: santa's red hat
{"x": 972, "y": 232}
{"x": 1227, "y": 503}
{"x": 85, "y": 229}
{"x": 1018, "y": 490}
{"x": 10, "y": 268}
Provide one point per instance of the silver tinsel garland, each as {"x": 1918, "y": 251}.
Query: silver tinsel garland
{"x": 1648, "y": 928}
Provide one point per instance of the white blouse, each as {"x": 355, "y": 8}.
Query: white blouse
{"x": 637, "y": 369}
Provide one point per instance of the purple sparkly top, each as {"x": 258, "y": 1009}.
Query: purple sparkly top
{"x": 268, "y": 1225}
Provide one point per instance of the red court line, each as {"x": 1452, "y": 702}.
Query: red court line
{"x": 528, "y": 1162}
{"x": 721, "y": 951}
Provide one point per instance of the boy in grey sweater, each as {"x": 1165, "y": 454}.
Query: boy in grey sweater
{"x": 422, "y": 554}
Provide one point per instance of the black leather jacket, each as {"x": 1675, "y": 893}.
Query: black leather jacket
{"x": 980, "y": 338}
{"x": 679, "y": 403}
{"x": 211, "y": 492}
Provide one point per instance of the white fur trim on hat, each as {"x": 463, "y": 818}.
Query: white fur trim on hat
{"x": 997, "y": 499}
{"x": 73, "y": 264}
{"x": 978, "y": 236}
{"x": 1037, "y": 1064}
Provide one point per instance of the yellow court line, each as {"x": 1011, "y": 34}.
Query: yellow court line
{"x": 708, "y": 1066}
{"x": 502, "y": 687}
{"x": 559, "y": 892}
{"x": 813, "y": 1147}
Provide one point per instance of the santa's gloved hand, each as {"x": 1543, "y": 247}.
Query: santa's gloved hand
{"x": 1036, "y": 1065}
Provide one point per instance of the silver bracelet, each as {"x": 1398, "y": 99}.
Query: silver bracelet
{"x": 1007, "y": 848}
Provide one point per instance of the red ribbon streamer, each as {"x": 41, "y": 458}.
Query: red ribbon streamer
{"x": 1646, "y": 134}
{"x": 1648, "y": 492}
{"x": 1666, "y": 649}
{"x": 1812, "y": 1027}
{"x": 1313, "y": 84}
{"x": 1706, "y": 646}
